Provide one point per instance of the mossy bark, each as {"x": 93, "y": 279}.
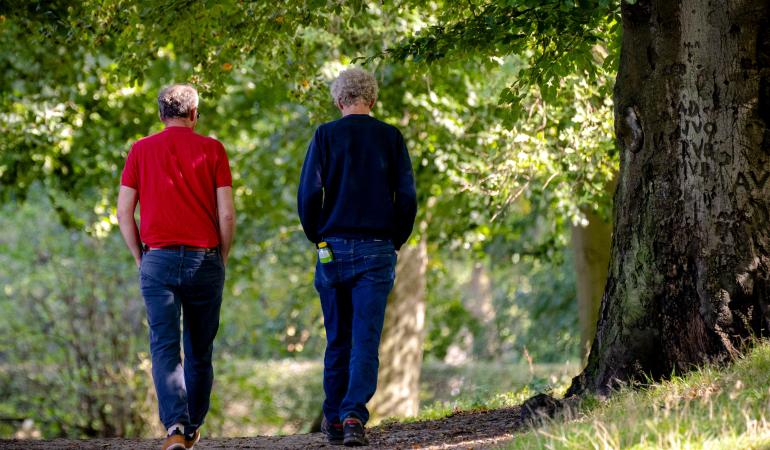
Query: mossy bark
{"x": 688, "y": 278}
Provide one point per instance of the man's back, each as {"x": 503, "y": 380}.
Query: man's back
{"x": 176, "y": 173}
{"x": 368, "y": 188}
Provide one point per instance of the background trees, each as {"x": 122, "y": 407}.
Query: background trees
{"x": 507, "y": 115}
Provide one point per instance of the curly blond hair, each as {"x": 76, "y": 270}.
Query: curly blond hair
{"x": 354, "y": 85}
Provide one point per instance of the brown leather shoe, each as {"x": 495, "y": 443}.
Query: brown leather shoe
{"x": 174, "y": 441}
{"x": 190, "y": 441}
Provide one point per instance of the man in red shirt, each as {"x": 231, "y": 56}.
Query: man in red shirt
{"x": 182, "y": 181}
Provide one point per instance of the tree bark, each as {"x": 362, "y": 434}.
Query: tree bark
{"x": 398, "y": 384}
{"x": 591, "y": 254}
{"x": 479, "y": 302}
{"x": 688, "y": 278}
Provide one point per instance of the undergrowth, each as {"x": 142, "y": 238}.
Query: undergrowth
{"x": 711, "y": 408}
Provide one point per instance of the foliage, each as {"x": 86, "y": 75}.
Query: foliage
{"x": 713, "y": 407}
{"x": 559, "y": 46}
{"x": 74, "y": 347}
{"x": 259, "y": 397}
{"x": 266, "y": 142}
{"x": 534, "y": 311}
{"x": 557, "y": 37}
{"x": 554, "y": 103}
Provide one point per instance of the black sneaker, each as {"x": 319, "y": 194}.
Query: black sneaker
{"x": 354, "y": 433}
{"x": 333, "y": 431}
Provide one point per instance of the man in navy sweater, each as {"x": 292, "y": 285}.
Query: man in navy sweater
{"x": 357, "y": 203}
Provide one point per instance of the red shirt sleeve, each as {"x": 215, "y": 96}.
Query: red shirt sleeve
{"x": 130, "y": 177}
{"x": 223, "y": 177}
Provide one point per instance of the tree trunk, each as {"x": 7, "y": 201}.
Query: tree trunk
{"x": 479, "y": 303}
{"x": 398, "y": 385}
{"x": 688, "y": 278}
{"x": 591, "y": 250}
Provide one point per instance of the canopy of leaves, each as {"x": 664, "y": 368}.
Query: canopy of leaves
{"x": 81, "y": 75}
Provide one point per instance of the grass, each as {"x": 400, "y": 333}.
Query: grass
{"x": 485, "y": 385}
{"x": 711, "y": 408}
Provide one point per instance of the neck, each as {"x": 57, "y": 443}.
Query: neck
{"x": 357, "y": 108}
{"x": 179, "y": 122}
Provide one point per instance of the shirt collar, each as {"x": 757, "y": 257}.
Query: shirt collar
{"x": 178, "y": 128}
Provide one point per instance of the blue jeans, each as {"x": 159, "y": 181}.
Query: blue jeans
{"x": 354, "y": 290}
{"x": 173, "y": 281}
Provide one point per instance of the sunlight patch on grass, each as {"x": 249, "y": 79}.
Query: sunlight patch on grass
{"x": 480, "y": 386}
{"x": 439, "y": 410}
{"x": 711, "y": 408}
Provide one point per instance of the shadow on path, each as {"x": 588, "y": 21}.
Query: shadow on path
{"x": 463, "y": 430}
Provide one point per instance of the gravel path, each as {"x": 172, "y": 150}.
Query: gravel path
{"x": 464, "y": 430}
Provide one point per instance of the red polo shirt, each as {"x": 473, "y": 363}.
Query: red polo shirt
{"x": 176, "y": 174}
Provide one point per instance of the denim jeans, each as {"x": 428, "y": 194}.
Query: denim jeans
{"x": 175, "y": 282}
{"x": 354, "y": 290}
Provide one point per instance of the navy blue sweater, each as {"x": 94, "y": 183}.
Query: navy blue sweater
{"x": 357, "y": 182}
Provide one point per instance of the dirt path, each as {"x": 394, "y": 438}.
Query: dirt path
{"x": 465, "y": 430}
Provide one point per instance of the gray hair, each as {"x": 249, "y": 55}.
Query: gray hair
{"x": 177, "y": 100}
{"x": 354, "y": 85}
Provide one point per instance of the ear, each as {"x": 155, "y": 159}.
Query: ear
{"x": 371, "y": 104}
{"x": 193, "y": 114}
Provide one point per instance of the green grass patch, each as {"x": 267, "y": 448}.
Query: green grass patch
{"x": 711, "y": 408}
{"x": 445, "y": 389}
